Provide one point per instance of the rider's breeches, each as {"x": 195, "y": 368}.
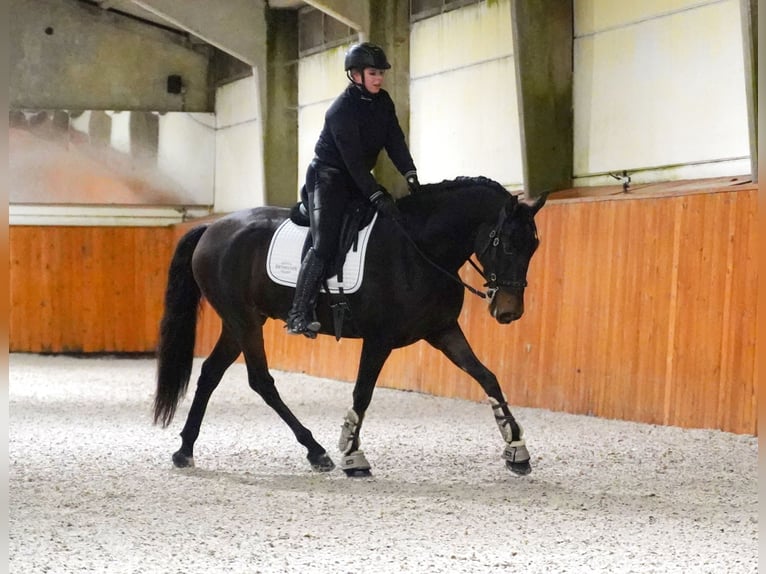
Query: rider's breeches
{"x": 328, "y": 193}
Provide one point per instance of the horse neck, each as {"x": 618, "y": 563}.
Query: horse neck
{"x": 450, "y": 230}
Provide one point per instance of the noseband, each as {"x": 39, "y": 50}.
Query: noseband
{"x": 490, "y": 248}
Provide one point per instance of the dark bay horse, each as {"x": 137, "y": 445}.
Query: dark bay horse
{"x": 411, "y": 291}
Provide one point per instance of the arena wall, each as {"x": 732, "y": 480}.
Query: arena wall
{"x": 640, "y": 306}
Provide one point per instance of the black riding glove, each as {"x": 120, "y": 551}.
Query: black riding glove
{"x": 412, "y": 182}
{"x": 384, "y": 203}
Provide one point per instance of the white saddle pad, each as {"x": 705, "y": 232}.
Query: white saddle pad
{"x": 284, "y": 259}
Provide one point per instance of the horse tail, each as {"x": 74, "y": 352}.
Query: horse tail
{"x": 175, "y": 349}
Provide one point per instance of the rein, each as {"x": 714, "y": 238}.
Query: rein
{"x": 490, "y": 293}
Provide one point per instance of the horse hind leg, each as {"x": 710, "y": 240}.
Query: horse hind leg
{"x": 354, "y": 463}
{"x": 261, "y": 381}
{"x": 223, "y": 355}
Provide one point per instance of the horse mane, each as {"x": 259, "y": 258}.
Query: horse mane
{"x": 463, "y": 181}
{"x": 430, "y": 191}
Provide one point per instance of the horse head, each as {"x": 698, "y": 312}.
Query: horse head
{"x": 504, "y": 252}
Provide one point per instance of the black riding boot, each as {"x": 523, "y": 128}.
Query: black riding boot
{"x": 301, "y": 319}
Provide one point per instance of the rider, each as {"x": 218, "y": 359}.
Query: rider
{"x": 358, "y": 124}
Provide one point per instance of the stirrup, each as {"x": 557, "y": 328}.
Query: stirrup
{"x": 298, "y": 326}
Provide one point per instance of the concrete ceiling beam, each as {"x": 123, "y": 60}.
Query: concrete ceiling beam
{"x": 237, "y": 27}
{"x": 353, "y": 13}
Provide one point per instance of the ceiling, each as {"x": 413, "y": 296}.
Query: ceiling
{"x": 134, "y": 9}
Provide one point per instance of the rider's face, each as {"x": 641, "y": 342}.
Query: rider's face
{"x": 371, "y": 78}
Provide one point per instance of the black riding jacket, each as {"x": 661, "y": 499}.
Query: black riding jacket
{"x": 356, "y": 128}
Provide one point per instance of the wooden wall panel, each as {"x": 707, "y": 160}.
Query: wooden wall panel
{"x": 87, "y": 289}
{"x": 637, "y": 308}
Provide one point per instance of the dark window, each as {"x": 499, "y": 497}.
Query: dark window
{"x": 422, "y": 9}
{"x": 318, "y": 31}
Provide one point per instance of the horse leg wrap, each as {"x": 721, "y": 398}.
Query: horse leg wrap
{"x": 504, "y": 423}
{"x": 348, "y": 432}
{"x": 516, "y": 451}
{"x": 355, "y": 461}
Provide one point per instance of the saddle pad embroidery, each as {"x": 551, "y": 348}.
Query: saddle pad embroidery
{"x": 284, "y": 259}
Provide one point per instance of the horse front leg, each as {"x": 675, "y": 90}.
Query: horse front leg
{"x": 455, "y": 347}
{"x": 373, "y": 356}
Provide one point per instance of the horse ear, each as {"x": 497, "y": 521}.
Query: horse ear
{"x": 536, "y": 204}
{"x": 511, "y": 204}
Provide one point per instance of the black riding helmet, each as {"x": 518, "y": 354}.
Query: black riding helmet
{"x": 366, "y": 55}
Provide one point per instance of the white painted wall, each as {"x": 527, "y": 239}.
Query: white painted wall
{"x": 239, "y": 173}
{"x": 321, "y": 79}
{"x": 659, "y": 85}
{"x": 463, "y": 104}
{"x": 463, "y": 107}
{"x": 186, "y": 152}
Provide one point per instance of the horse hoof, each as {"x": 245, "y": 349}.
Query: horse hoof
{"x": 355, "y": 465}
{"x": 520, "y": 468}
{"x": 180, "y": 460}
{"x": 321, "y": 463}
{"x": 357, "y": 472}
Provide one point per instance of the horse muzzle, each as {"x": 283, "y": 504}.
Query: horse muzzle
{"x": 506, "y": 307}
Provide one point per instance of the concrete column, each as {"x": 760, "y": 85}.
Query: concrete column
{"x": 281, "y": 131}
{"x": 144, "y": 136}
{"x": 390, "y": 29}
{"x": 100, "y": 128}
{"x": 543, "y": 48}
{"x": 749, "y": 12}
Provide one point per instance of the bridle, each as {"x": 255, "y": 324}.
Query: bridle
{"x": 491, "y": 246}
{"x": 492, "y": 282}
